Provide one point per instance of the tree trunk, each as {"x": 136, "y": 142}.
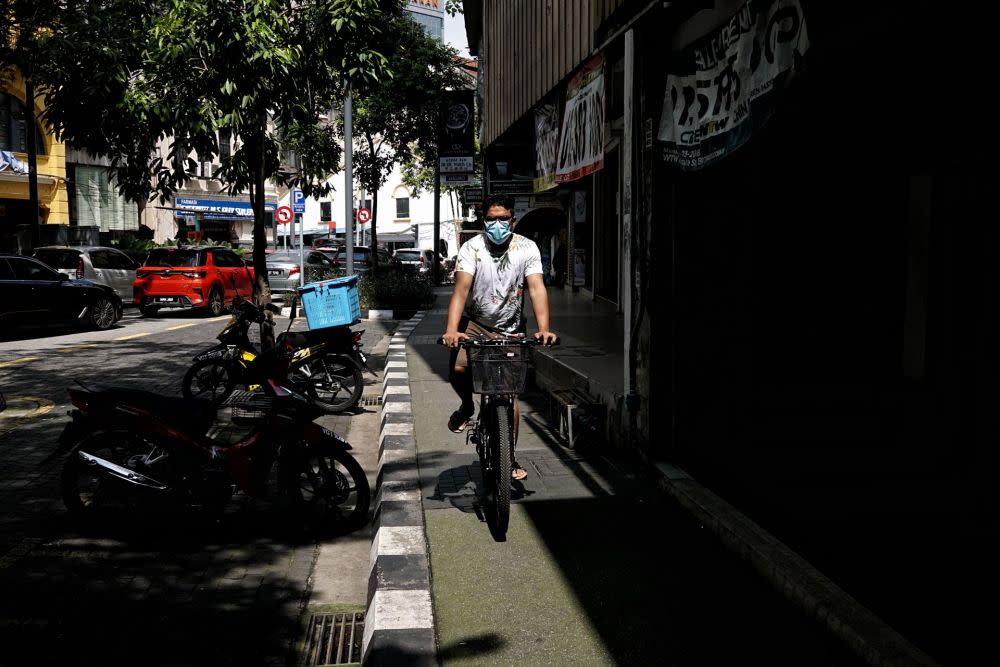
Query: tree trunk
{"x": 261, "y": 285}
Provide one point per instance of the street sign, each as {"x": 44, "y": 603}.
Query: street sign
{"x": 456, "y": 164}
{"x": 456, "y": 179}
{"x": 364, "y": 215}
{"x": 298, "y": 201}
{"x": 283, "y": 215}
{"x": 473, "y": 196}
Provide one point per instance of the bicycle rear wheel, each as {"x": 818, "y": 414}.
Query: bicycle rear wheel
{"x": 498, "y": 487}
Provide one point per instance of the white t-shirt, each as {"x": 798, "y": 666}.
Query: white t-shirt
{"x": 496, "y": 299}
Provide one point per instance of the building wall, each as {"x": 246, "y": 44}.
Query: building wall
{"x": 51, "y": 162}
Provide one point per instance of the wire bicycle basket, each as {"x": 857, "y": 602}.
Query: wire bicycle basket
{"x": 498, "y": 369}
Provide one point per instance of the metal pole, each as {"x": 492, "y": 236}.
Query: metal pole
{"x": 348, "y": 183}
{"x": 302, "y": 250}
{"x": 437, "y": 219}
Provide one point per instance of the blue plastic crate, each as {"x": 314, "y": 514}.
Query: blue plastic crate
{"x": 331, "y": 303}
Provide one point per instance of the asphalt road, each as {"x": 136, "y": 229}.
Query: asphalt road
{"x": 173, "y": 593}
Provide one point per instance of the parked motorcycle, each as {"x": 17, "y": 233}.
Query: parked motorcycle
{"x": 325, "y": 364}
{"x": 131, "y": 451}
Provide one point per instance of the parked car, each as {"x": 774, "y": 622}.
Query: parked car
{"x": 283, "y": 268}
{"x": 418, "y": 258}
{"x": 362, "y": 259}
{"x": 34, "y": 293}
{"x": 205, "y": 278}
{"x": 108, "y": 266}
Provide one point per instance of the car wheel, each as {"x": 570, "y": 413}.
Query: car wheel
{"x": 103, "y": 314}
{"x": 148, "y": 311}
{"x": 215, "y": 302}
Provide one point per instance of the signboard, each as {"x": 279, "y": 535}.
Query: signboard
{"x": 512, "y": 187}
{"x": 283, "y": 215}
{"x": 298, "y": 201}
{"x": 581, "y": 143}
{"x": 456, "y": 179}
{"x": 364, "y": 215}
{"x": 217, "y": 209}
{"x": 722, "y": 86}
{"x": 459, "y": 164}
{"x": 473, "y": 196}
{"x": 546, "y": 145}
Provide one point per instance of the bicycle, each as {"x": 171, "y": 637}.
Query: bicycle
{"x": 499, "y": 370}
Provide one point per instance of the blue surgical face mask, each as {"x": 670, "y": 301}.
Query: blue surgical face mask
{"x": 498, "y": 231}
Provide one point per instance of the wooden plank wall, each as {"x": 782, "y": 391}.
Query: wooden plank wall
{"x": 530, "y": 46}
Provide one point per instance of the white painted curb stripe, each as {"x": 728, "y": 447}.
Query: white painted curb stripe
{"x": 398, "y": 610}
{"x": 398, "y": 541}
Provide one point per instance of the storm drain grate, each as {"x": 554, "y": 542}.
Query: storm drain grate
{"x": 334, "y": 639}
{"x": 371, "y": 401}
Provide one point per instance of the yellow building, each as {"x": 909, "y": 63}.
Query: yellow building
{"x": 52, "y": 193}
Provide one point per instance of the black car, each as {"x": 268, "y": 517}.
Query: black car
{"x": 34, "y": 293}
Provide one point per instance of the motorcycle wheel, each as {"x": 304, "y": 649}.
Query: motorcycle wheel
{"x": 328, "y": 491}
{"x": 335, "y": 393}
{"x": 90, "y": 494}
{"x": 209, "y": 379}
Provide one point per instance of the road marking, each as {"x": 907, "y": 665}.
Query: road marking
{"x": 216, "y": 319}
{"x": 80, "y": 346}
{"x": 138, "y": 335}
{"x": 14, "y": 362}
{"x": 26, "y": 407}
{"x": 180, "y": 326}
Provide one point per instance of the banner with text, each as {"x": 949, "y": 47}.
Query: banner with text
{"x": 456, "y": 144}
{"x": 581, "y": 144}
{"x": 722, "y": 88}
{"x": 546, "y": 145}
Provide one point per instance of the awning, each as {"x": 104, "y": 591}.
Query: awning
{"x": 397, "y": 238}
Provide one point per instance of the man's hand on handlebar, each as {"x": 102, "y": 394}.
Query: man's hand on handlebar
{"x": 451, "y": 338}
{"x": 546, "y": 337}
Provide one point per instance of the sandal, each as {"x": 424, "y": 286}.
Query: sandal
{"x": 458, "y": 421}
{"x": 517, "y": 473}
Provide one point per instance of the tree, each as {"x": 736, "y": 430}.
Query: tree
{"x": 124, "y": 74}
{"x": 396, "y": 118}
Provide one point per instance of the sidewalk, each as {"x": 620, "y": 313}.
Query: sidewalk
{"x": 598, "y": 567}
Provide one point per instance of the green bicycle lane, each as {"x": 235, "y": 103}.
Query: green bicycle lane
{"x": 598, "y": 568}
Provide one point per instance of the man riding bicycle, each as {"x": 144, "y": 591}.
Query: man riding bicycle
{"x": 493, "y": 269}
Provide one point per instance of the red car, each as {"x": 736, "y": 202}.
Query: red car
{"x": 204, "y": 278}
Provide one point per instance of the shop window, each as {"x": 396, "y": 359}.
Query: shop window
{"x": 98, "y": 203}
{"x": 13, "y": 123}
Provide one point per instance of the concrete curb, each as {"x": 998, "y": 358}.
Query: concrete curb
{"x": 795, "y": 578}
{"x": 399, "y": 625}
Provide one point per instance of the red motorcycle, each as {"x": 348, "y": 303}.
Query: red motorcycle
{"x": 132, "y": 451}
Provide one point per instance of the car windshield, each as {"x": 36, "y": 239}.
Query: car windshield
{"x": 408, "y": 254}
{"x": 172, "y": 257}
{"x": 58, "y": 258}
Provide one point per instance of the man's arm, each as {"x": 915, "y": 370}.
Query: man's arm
{"x": 540, "y": 304}
{"x": 463, "y": 283}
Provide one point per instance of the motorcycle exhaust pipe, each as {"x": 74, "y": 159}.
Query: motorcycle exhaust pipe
{"x": 122, "y": 473}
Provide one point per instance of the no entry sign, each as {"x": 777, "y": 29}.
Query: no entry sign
{"x": 283, "y": 215}
{"x": 364, "y": 215}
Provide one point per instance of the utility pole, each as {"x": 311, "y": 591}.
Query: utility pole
{"x": 348, "y": 183}
{"x": 29, "y": 96}
{"x": 437, "y": 217}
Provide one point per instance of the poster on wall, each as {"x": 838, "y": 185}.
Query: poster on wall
{"x": 546, "y": 145}
{"x": 581, "y": 142}
{"x": 722, "y": 87}
{"x": 579, "y": 266}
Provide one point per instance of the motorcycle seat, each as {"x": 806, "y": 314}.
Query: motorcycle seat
{"x": 191, "y": 415}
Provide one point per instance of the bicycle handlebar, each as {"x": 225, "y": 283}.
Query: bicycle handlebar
{"x": 527, "y": 341}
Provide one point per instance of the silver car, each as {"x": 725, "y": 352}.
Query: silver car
{"x": 283, "y": 268}
{"x": 108, "y": 266}
{"x": 421, "y": 260}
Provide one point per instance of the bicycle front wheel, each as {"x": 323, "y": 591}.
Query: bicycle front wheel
{"x": 500, "y": 451}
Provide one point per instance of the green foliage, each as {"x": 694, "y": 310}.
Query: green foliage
{"x": 394, "y": 287}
